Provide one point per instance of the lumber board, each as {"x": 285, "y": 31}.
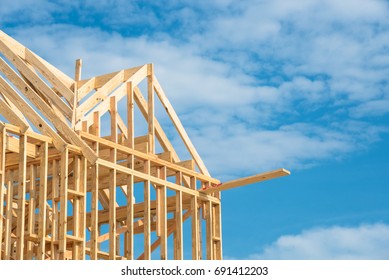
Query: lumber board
{"x": 12, "y": 116}
{"x": 50, "y": 76}
{"x": 36, "y": 80}
{"x": 180, "y": 128}
{"x": 20, "y": 50}
{"x": 247, "y": 180}
{"x": 2, "y": 183}
{"x": 32, "y": 115}
{"x": 49, "y": 113}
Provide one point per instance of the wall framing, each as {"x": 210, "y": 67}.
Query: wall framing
{"x": 74, "y": 187}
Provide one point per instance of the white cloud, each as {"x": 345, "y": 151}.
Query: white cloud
{"x": 371, "y": 108}
{"x": 363, "y": 242}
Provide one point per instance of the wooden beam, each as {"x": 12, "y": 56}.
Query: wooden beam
{"x": 77, "y": 73}
{"x": 154, "y": 158}
{"x": 43, "y": 153}
{"x": 19, "y": 49}
{"x": 2, "y": 183}
{"x": 36, "y": 80}
{"x": 21, "y": 198}
{"x": 130, "y": 115}
{"x": 11, "y": 115}
{"x": 55, "y": 183}
{"x": 49, "y": 113}
{"x": 247, "y": 180}
{"x": 94, "y": 211}
{"x": 9, "y": 220}
{"x": 209, "y": 230}
{"x": 162, "y": 217}
{"x": 101, "y": 94}
{"x": 177, "y": 123}
{"x": 31, "y": 114}
{"x": 85, "y": 88}
{"x": 49, "y": 75}
{"x": 119, "y": 92}
{"x": 150, "y": 102}
{"x": 147, "y": 217}
{"x": 179, "y": 251}
{"x": 32, "y": 205}
{"x": 129, "y": 244}
{"x": 63, "y": 204}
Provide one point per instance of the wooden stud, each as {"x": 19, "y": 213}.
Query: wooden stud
{"x": 9, "y": 219}
{"x": 112, "y": 213}
{"x": 209, "y": 230}
{"x": 82, "y": 206}
{"x": 21, "y": 198}
{"x": 94, "y": 211}
{"x": 43, "y": 153}
{"x": 63, "y": 204}
{"x": 130, "y": 211}
{"x": 195, "y": 228}
{"x": 130, "y": 115}
{"x": 146, "y": 217}
{"x": 76, "y": 206}
{"x": 3, "y": 134}
{"x": 55, "y": 215}
{"x": 163, "y": 215}
{"x": 178, "y": 233}
{"x": 150, "y": 101}
{"x": 31, "y": 210}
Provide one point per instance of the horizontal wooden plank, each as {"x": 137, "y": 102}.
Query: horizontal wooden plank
{"x": 247, "y": 180}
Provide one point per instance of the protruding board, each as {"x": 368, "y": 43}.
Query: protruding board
{"x": 248, "y": 180}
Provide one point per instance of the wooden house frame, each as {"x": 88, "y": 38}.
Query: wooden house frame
{"x": 69, "y": 192}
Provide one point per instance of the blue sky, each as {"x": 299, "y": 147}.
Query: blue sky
{"x": 258, "y": 85}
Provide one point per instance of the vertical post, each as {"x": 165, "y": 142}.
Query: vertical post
{"x": 43, "y": 154}
{"x": 112, "y": 182}
{"x": 150, "y": 99}
{"x": 8, "y": 210}
{"x": 163, "y": 215}
{"x": 146, "y": 215}
{"x": 55, "y": 220}
{"x": 130, "y": 178}
{"x": 21, "y": 197}
{"x": 76, "y": 206}
{"x": 209, "y": 230}
{"x": 112, "y": 214}
{"x": 114, "y": 123}
{"x": 82, "y": 206}
{"x": 94, "y": 211}
{"x": 130, "y": 114}
{"x": 63, "y": 204}
{"x": 130, "y": 211}
{"x": 96, "y": 124}
{"x": 2, "y": 182}
{"x": 77, "y": 77}
{"x": 178, "y": 234}
{"x": 218, "y": 232}
{"x": 200, "y": 212}
{"x": 31, "y": 210}
{"x": 195, "y": 222}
